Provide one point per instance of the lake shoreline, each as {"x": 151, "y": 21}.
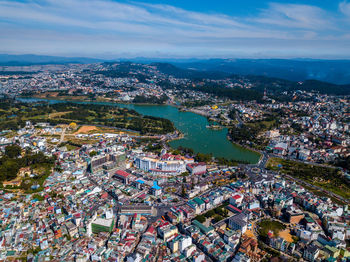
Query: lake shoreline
{"x": 246, "y": 147}
{"x": 192, "y": 126}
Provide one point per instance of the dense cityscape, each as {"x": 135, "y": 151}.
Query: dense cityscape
{"x": 86, "y": 178}
{"x": 174, "y": 131}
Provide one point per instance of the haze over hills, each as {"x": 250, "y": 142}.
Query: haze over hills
{"x": 29, "y": 59}
{"x": 275, "y": 84}
{"x": 332, "y": 71}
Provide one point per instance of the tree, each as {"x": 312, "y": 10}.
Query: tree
{"x": 13, "y": 151}
{"x": 201, "y": 157}
{"x": 183, "y": 191}
{"x": 9, "y": 170}
{"x": 221, "y": 211}
{"x": 38, "y": 197}
{"x": 73, "y": 126}
{"x": 210, "y": 213}
{"x": 217, "y": 218}
{"x": 176, "y": 152}
{"x": 200, "y": 218}
{"x": 93, "y": 153}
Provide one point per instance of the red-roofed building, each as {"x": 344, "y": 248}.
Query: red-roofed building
{"x": 151, "y": 230}
{"x": 234, "y": 209}
{"x": 236, "y": 200}
{"x": 122, "y": 176}
{"x": 58, "y": 233}
{"x": 104, "y": 195}
{"x": 142, "y": 196}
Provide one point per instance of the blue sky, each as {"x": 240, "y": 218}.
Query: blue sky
{"x": 176, "y": 28}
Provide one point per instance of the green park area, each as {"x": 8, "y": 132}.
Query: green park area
{"x": 25, "y": 171}
{"x": 251, "y": 131}
{"x": 217, "y": 214}
{"x": 13, "y": 115}
{"x": 274, "y": 226}
{"x": 328, "y": 178}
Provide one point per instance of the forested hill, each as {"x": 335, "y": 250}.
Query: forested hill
{"x": 259, "y": 83}
{"x": 281, "y": 85}
{"x": 332, "y": 71}
{"x": 275, "y": 75}
{"x": 25, "y": 60}
{"x": 175, "y": 71}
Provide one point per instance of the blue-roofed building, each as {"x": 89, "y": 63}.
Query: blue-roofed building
{"x": 156, "y": 190}
{"x": 139, "y": 183}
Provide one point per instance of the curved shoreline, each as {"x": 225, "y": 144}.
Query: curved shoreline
{"x": 246, "y": 147}
{"x": 201, "y": 140}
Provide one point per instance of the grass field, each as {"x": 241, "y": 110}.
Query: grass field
{"x": 80, "y": 141}
{"x": 56, "y": 96}
{"x": 58, "y": 114}
{"x": 270, "y": 225}
{"x": 266, "y": 124}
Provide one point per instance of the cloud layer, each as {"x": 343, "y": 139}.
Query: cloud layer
{"x": 106, "y": 28}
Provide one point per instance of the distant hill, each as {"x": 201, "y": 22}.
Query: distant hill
{"x": 277, "y": 85}
{"x": 333, "y": 71}
{"x": 176, "y": 71}
{"x": 21, "y": 60}
{"x": 325, "y": 76}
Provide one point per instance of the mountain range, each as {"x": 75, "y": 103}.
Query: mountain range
{"x": 23, "y": 60}
{"x": 333, "y": 71}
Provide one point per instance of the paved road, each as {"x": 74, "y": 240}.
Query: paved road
{"x": 240, "y": 121}
{"x": 263, "y": 160}
{"x": 62, "y": 135}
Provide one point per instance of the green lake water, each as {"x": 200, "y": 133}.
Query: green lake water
{"x": 193, "y": 126}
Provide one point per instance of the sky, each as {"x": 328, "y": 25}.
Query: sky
{"x": 113, "y": 29}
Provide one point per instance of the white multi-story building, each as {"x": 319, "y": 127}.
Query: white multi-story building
{"x": 185, "y": 242}
{"x": 163, "y": 165}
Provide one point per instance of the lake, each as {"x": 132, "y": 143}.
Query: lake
{"x": 193, "y": 126}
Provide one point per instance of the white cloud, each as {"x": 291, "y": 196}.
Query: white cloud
{"x": 344, "y": 7}
{"x": 296, "y": 16}
{"x": 74, "y": 25}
